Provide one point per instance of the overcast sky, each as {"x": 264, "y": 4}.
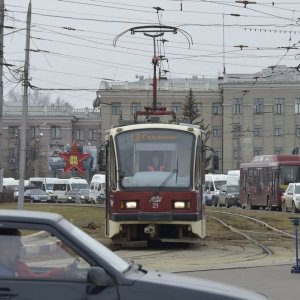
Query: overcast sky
{"x": 72, "y": 41}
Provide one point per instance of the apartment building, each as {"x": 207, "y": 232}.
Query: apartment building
{"x": 247, "y": 114}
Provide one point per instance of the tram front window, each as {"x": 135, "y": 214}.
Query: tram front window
{"x": 154, "y": 158}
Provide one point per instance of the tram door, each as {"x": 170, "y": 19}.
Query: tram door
{"x": 274, "y": 186}
{"x": 259, "y": 188}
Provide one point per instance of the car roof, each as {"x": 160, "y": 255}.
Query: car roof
{"x": 29, "y": 216}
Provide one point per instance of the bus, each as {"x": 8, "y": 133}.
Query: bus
{"x": 165, "y": 205}
{"x": 265, "y": 178}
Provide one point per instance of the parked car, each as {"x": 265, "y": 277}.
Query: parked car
{"x": 207, "y": 196}
{"x": 36, "y": 195}
{"x": 229, "y": 196}
{"x": 291, "y": 198}
{"x": 63, "y": 262}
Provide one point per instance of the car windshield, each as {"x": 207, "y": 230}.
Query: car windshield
{"x": 297, "y": 189}
{"x": 100, "y": 250}
{"x": 219, "y": 183}
{"x": 37, "y": 192}
{"x": 232, "y": 189}
{"x": 80, "y": 186}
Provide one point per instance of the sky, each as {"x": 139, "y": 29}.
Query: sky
{"x": 76, "y": 44}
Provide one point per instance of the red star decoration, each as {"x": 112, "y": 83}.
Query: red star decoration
{"x": 74, "y": 159}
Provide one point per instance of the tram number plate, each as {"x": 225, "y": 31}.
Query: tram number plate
{"x": 154, "y": 205}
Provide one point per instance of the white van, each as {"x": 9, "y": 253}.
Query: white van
{"x": 74, "y": 189}
{"x": 233, "y": 177}
{"x": 43, "y": 183}
{"x": 97, "y": 188}
{"x": 10, "y": 183}
{"x": 213, "y": 182}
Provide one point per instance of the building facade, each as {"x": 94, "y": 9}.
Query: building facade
{"x": 247, "y": 114}
{"x": 50, "y": 129}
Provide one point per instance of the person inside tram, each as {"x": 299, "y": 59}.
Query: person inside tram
{"x": 155, "y": 164}
{"x": 11, "y": 249}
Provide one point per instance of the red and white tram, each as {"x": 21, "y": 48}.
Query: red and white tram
{"x": 162, "y": 205}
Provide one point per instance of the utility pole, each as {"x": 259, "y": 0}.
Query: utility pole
{"x": 24, "y": 113}
{"x": 1, "y": 84}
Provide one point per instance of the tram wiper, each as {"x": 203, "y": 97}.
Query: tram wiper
{"x": 175, "y": 171}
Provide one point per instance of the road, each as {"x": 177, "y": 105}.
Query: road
{"x": 275, "y": 281}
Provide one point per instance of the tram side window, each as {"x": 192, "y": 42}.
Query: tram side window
{"x": 113, "y": 169}
{"x": 267, "y": 176}
{"x": 251, "y": 176}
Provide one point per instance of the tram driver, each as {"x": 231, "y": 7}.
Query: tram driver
{"x": 155, "y": 164}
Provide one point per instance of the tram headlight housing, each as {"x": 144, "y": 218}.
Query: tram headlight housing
{"x": 129, "y": 204}
{"x": 181, "y": 204}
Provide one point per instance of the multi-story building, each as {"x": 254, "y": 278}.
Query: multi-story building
{"x": 50, "y": 129}
{"x": 121, "y": 100}
{"x": 261, "y": 114}
{"x": 247, "y": 114}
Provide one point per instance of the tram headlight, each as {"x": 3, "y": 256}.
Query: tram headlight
{"x": 129, "y": 204}
{"x": 181, "y": 204}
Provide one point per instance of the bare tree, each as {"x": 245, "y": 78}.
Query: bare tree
{"x": 39, "y": 99}
{"x": 61, "y": 102}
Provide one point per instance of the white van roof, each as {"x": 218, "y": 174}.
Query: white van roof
{"x": 216, "y": 176}
{"x": 9, "y": 181}
{"x": 98, "y": 178}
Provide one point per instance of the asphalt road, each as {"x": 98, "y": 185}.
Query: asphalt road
{"x": 277, "y": 282}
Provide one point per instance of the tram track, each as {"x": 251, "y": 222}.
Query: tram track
{"x": 249, "y": 245}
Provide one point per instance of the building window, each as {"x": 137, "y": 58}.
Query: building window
{"x": 297, "y": 106}
{"x": 93, "y": 134}
{"x": 216, "y": 157}
{"x": 33, "y": 131}
{"x": 278, "y": 131}
{"x": 257, "y": 151}
{"x": 217, "y": 108}
{"x": 278, "y": 150}
{"x": 217, "y": 131}
{"x": 136, "y": 107}
{"x": 279, "y": 106}
{"x": 258, "y": 131}
{"x": 79, "y": 134}
{"x": 13, "y": 132}
{"x": 55, "y": 132}
{"x": 176, "y": 107}
{"x": 297, "y": 131}
{"x": 258, "y": 105}
{"x": 236, "y": 153}
{"x": 237, "y": 106}
{"x": 116, "y": 108}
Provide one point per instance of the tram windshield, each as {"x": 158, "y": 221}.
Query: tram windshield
{"x": 155, "y": 158}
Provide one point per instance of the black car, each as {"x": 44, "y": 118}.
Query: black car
{"x": 63, "y": 262}
{"x": 229, "y": 196}
{"x": 37, "y": 195}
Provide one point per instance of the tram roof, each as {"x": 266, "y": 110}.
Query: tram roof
{"x": 181, "y": 126}
{"x": 273, "y": 160}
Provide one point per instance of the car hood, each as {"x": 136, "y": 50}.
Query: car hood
{"x": 158, "y": 284}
